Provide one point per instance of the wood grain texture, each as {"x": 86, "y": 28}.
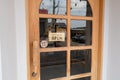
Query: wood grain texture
{"x": 81, "y": 76}
{"x": 101, "y": 34}
{"x": 33, "y": 35}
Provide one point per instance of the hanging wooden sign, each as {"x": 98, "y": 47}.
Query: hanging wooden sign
{"x": 58, "y": 36}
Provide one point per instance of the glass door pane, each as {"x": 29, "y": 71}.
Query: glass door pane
{"x": 80, "y": 8}
{"x": 80, "y": 61}
{"x": 51, "y": 30}
{"x": 53, "y": 65}
{"x": 57, "y": 7}
{"x": 81, "y": 32}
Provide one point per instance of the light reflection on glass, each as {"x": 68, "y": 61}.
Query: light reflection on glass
{"x": 80, "y": 61}
{"x": 80, "y": 8}
{"x": 51, "y": 25}
{"x": 53, "y": 65}
{"x": 81, "y": 32}
{"x": 53, "y": 7}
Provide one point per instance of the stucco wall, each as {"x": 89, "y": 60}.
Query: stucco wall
{"x": 8, "y": 40}
{"x": 0, "y": 64}
{"x": 20, "y": 23}
{"x": 113, "y": 68}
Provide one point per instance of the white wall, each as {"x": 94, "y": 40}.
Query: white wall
{"x": 106, "y": 40}
{"x": 20, "y": 20}
{"x": 8, "y": 40}
{"x": 13, "y": 39}
{"x": 0, "y": 63}
{"x": 113, "y": 69}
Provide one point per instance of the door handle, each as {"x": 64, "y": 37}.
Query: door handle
{"x": 36, "y": 58}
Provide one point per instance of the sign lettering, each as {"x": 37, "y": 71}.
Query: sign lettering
{"x": 58, "y": 36}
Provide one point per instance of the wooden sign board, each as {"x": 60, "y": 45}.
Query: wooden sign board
{"x": 58, "y": 36}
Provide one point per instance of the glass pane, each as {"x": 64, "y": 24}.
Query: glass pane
{"x": 80, "y": 8}
{"x": 53, "y": 7}
{"x": 87, "y": 78}
{"x": 53, "y": 65}
{"x": 53, "y": 31}
{"x": 80, "y": 62}
{"x": 81, "y": 32}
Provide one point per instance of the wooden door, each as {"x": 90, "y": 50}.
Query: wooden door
{"x": 63, "y": 39}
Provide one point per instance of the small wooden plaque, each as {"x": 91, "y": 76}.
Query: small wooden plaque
{"x": 58, "y": 36}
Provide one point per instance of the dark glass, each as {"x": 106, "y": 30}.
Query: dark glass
{"x": 87, "y": 78}
{"x": 53, "y": 7}
{"x": 81, "y": 32}
{"x": 80, "y": 61}
{"x": 80, "y": 8}
{"x": 53, "y": 65}
{"x": 52, "y": 26}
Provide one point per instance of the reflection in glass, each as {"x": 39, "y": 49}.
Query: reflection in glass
{"x": 53, "y": 7}
{"x": 53, "y": 65}
{"x": 81, "y": 32}
{"x": 80, "y": 8}
{"x": 48, "y": 26}
{"x": 87, "y": 78}
{"x": 80, "y": 62}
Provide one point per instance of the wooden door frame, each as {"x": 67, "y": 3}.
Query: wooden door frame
{"x": 101, "y": 35}
{"x": 100, "y": 47}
